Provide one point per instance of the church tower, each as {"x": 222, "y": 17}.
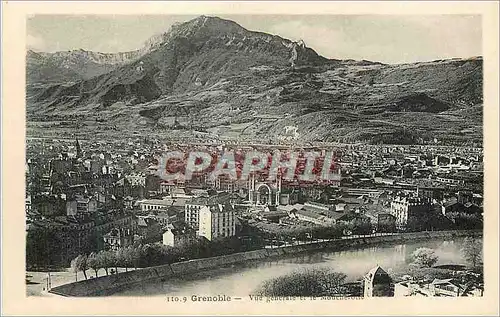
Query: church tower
{"x": 79, "y": 153}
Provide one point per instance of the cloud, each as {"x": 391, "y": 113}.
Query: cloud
{"x": 35, "y": 43}
{"x": 391, "y": 39}
{"x": 322, "y": 38}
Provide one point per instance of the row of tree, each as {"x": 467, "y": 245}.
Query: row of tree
{"x": 146, "y": 255}
{"x": 99, "y": 260}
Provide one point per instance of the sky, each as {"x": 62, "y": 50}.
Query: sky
{"x": 383, "y": 38}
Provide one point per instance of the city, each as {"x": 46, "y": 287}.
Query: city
{"x": 87, "y": 197}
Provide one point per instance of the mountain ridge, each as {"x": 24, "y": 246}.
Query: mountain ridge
{"x": 227, "y": 75}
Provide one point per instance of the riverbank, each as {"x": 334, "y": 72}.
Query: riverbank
{"x": 36, "y": 282}
{"x": 107, "y": 285}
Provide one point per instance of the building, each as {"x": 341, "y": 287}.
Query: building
{"x": 409, "y": 211}
{"x": 377, "y": 283}
{"x": 430, "y": 192}
{"x": 154, "y": 204}
{"x": 136, "y": 180}
{"x": 179, "y": 193}
{"x": 193, "y": 206}
{"x": 386, "y": 181}
{"x": 289, "y": 196}
{"x": 27, "y": 203}
{"x": 149, "y": 229}
{"x": 454, "y": 206}
{"x": 438, "y": 287}
{"x": 450, "y": 180}
{"x": 81, "y": 205}
{"x": 313, "y": 217}
{"x": 318, "y": 207}
{"x": 47, "y": 205}
{"x": 447, "y": 287}
{"x": 386, "y": 223}
{"x": 164, "y": 216}
{"x": 167, "y": 187}
{"x": 118, "y": 238}
{"x": 264, "y": 193}
{"x": 217, "y": 221}
{"x": 469, "y": 197}
{"x": 192, "y": 213}
{"x": 177, "y": 235}
{"x": 372, "y": 193}
{"x": 410, "y": 288}
{"x": 290, "y": 209}
{"x": 274, "y": 216}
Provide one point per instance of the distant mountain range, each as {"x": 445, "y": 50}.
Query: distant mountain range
{"x": 213, "y": 76}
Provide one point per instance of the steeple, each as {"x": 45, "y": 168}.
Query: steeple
{"x": 79, "y": 153}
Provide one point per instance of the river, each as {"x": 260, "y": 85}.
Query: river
{"x": 243, "y": 279}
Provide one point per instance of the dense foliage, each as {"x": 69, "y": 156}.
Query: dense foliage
{"x": 306, "y": 282}
{"x": 472, "y": 250}
{"x": 424, "y": 257}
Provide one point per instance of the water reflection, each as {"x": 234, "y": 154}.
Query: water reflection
{"x": 243, "y": 279}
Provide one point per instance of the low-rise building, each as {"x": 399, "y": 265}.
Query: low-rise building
{"x": 149, "y": 229}
{"x": 167, "y": 187}
{"x": 446, "y": 287}
{"x": 165, "y": 216}
{"x": 176, "y": 235}
{"x": 438, "y": 287}
{"x": 453, "y": 206}
{"x": 368, "y": 192}
{"x": 81, "y": 205}
{"x": 322, "y": 219}
{"x": 118, "y": 238}
{"x": 450, "y": 180}
{"x": 154, "y": 204}
{"x": 410, "y": 288}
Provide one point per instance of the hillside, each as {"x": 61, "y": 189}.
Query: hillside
{"x": 212, "y": 78}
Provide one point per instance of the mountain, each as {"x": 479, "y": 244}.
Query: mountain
{"x": 78, "y": 65}
{"x": 213, "y": 76}
{"x": 191, "y": 54}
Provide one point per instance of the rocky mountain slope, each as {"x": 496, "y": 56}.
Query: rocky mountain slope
{"x": 213, "y": 78}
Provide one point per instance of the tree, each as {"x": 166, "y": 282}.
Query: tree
{"x": 110, "y": 257}
{"x": 135, "y": 256}
{"x": 121, "y": 258}
{"x": 106, "y": 260}
{"x": 83, "y": 265}
{"x": 472, "y": 250}
{"x": 116, "y": 259}
{"x": 94, "y": 262}
{"x": 128, "y": 256}
{"x": 463, "y": 220}
{"x": 76, "y": 266}
{"x": 425, "y": 257}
